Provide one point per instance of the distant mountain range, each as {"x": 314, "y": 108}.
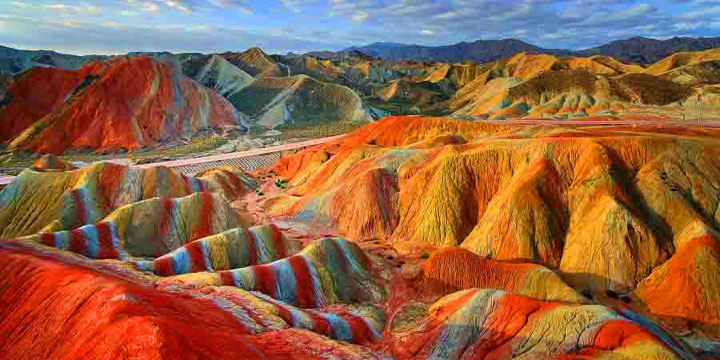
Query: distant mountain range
{"x": 633, "y": 50}
{"x": 645, "y": 50}
{"x": 478, "y": 51}
{"x": 636, "y": 49}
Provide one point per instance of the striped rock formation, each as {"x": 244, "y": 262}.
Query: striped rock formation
{"x": 194, "y": 233}
{"x": 353, "y": 324}
{"x": 216, "y": 73}
{"x": 157, "y": 226}
{"x": 327, "y": 271}
{"x": 79, "y": 309}
{"x": 84, "y": 196}
{"x": 492, "y": 324}
{"x": 96, "y": 241}
{"x": 120, "y": 103}
{"x": 545, "y": 242}
{"x": 232, "y": 249}
{"x": 148, "y": 228}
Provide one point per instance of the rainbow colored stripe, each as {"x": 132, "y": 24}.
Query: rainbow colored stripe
{"x": 351, "y": 327}
{"x": 357, "y": 324}
{"x": 97, "y": 241}
{"x": 486, "y": 323}
{"x": 327, "y": 271}
{"x": 235, "y": 248}
{"x": 85, "y": 196}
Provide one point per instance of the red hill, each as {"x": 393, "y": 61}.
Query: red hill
{"x": 125, "y": 102}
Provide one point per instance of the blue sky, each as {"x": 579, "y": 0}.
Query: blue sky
{"x": 279, "y": 26}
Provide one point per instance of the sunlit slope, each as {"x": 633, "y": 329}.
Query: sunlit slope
{"x": 592, "y": 203}
{"x": 548, "y": 86}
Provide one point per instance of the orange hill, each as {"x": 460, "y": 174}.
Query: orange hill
{"x": 604, "y": 207}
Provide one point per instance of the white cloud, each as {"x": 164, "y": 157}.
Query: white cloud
{"x": 82, "y": 9}
{"x": 448, "y": 15}
{"x": 360, "y": 16}
{"x": 427, "y": 32}
{"x": 296, "y": 6}
{"x": 176, "y": 5}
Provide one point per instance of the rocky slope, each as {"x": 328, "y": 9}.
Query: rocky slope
{"x": 621, "y": 214}
{"x": 122, "y": 103}
{"x": 547, "y": 86}
{"x": 167, "y": 259}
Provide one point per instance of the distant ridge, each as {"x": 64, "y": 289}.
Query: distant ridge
{"x": 646, "y": 50}
{"x": 477, "y": 51}
{"x": 635, "y": 50}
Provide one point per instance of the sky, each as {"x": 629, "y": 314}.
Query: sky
{"x": 281, "y": 26}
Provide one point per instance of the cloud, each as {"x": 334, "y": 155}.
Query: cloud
{"x": 82, "y": 8}
{"x": 336, "y": 24}
{"x": 177, "y": 5}
{"x": 188, "y": 6}
{"x": 296, "y": 6}
{"x": 360, "y": 16}
{"x": 86, "y": 38}
{"x": 570, "y": 24}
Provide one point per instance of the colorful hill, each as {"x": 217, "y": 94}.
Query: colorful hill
{"x": 498, "y": 325}
{"x": 452, "y": 269}
{"x": 84, "y": 196}
{"x": 299, "y": 100}
{"x": 300, "y": 91}
{"x": 122, "y": 103}
{"x": 689, "y": 68}
{"x": 692, "y": 271}
{"x": 546, "y": 86}
{"x": 130, "y": 318}
{"x": 412, "y": 237}
{"x": 569, "y": 238}
{"x": 112, "y": 264}
{"x": 545, "y": 196}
